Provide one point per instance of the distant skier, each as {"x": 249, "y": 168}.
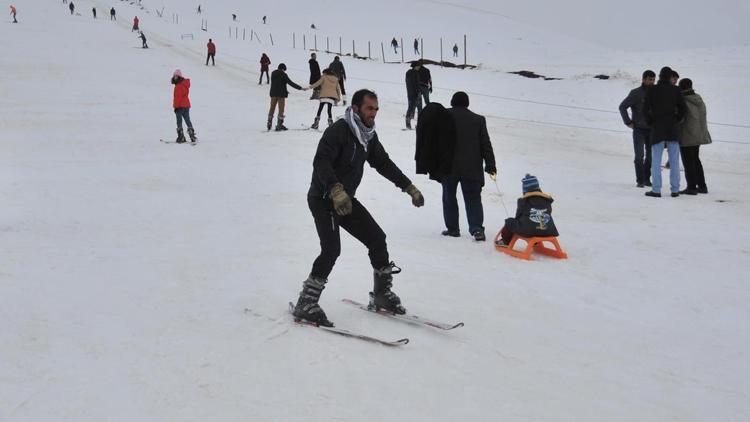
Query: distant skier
{"x": 338, "y": 167}
{"x": 181, "y": 105}
{"x": 278, "y": 94}
{"x": 264, "y": 20}
{"x": 329, "y": 94}
{"x": 455, "y": 50}
{"x": 199, "y": 9}
{"x": 135, "y": 24}
{"x": 338, "y": 69}
{"x": 13, "y": 13}
{"x": 412, "y": 92}
{"x": 211, "y": 47}
{"x": 416, "y": 46}
{"x": 143, "y": 38}
{"x": 234, "y": 17}
{"x": 264, "y": 63}
{"x": 72, "y": 7}
{"x": 425, "y": 83}
{"x": 314, "y": 75}
{"x": 112, "y": 16}
{"x": 394, "y": 45}
{"x": 93, "y": 11}
{"x": 312, "y": 26}
{"x": 533, "y": 214}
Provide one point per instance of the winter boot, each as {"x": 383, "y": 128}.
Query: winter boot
{"x": 315, "y": 123}
{"x": 270, "y": 122}
{"x": 280, "y": 124}
{"x": 408, "y": 122}
{"x": 382, "y": 297}
{"x": 180, "y": 136}
{"x": 307, "y": 305}
{"x": 191, "y": 134}
{"x": 330, "y": 122}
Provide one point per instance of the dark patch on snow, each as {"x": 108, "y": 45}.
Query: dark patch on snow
{"x": 532, "y": 75}
{"x": 602, "y": 77}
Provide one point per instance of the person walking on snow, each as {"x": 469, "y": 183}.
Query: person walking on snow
{"x": 425, "y": 83}
{"x": 211, "y": 47}
{"x": 71, "y": 7}
{"x": 93, "y": 10}
{"x": 181, "y": 105}
{"x": 112, "y": 16}
{"x": 330, "y": 93}
{"x": 264, "y": 63}
{"x": 416, "y": 46}
{"x": 394, "y": 45}
{"x": 337, "y": 66}
{"x": 412, "y": 92}
{"x": 143, "y": 38}
{"x": 338, "y": 167}
{"x": 135, "y": 24}
{"x": 314, "y": 75}
{"x": 641, "y": 130}
{"x": 13, "y": 13}
{"x": 455, "y": 50}
{"x": 278, "y": 93}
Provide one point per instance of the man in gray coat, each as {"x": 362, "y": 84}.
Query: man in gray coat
{"x": 693, "y": 132}
{"x": 472, "y": 147}
{"x": 641, "y": 129}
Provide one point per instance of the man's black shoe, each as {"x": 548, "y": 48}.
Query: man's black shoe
{"x": 654, "y": 194}
{"x": 674, "y": 194}
{"x": 451, "y": 233}
{"x": 689, "y": 192}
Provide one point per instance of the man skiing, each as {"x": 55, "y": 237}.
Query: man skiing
{"x": 338, "y": 167}
{"x": 181, "y": 105}
{"x": 278, "y": 93}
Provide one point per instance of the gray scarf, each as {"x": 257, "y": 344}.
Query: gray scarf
{"x": 358, "y": 128}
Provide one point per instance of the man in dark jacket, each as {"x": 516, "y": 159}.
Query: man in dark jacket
{"x": 314, "y": 75}
{"x": 472, "y": 147}
{"x": 533, "y": 214}
{"x": 412, "y": 92}
{"x": 664, "y": 107}
{"x": 338, "y": 69}
{"x": 425, "y": 83}
{"x": 641, "y": 130}
{"x": 337, "y": 171}
{"x": 279, "y": 81}
{"x": 211, "y": 49}
{"x": 436, "y": 142}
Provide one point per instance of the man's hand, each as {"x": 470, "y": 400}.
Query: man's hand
{"x": 342, "y": 203}
{"x": 416, "y": 196}
{"x": 631, "y": 125}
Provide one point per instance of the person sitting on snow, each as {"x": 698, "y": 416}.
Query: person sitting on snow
{"x": 533, "y": 214}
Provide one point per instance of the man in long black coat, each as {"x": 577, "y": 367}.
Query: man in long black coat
{"x": 314, "y": 75}
{"x": 664, "y": 107}
{"x": 472, "y": 147}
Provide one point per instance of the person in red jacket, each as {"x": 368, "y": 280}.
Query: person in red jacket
{"x": 181, "y": 105}
{"x": 135, "y": 24}
{"x": 264, "y": 63}
{"x": 211, "y": 52}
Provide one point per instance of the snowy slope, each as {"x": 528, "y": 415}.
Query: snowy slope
{"x": 145, "y": 281}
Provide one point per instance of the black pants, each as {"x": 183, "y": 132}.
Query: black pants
{"x": 693, "y": 167}
{"x": 341, "y": 84}
{"x": 320, "y": 109}
{"x": 359, "y": 224}
{"x": 210, "y": 56}
{"x": 261, "y": 76}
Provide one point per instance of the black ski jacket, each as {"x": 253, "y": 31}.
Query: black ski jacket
{"x": 533, "y": 216}
{"x": 279, "y": 81}
{"x": 340, "y": 158}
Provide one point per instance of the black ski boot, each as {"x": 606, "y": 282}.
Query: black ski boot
{"x": 307, "y": 308}
{"x": 270, "y": 120}
{"x": 191, "y": 134}
{"x": 382, "y": 297}
{"x": 315, "y": 123}
{"x": 180, "y": 136}
{"x": 280, "y": 124}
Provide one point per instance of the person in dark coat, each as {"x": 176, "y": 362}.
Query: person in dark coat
{"x": 71, "y": 7}
{"x": 394, "y": 45}
{"x": 338, "y": 167}
{"x": 112, "y": 14}
{"x": 338, "y": 69}
{"x": 664, "y": 107}
{"x": 416, "y": 46}
{"x": 412, "y": 92}
{"x": 143, "y": 39}
{"x": 693, "y": 132}
{"x": 455, "y": 50}
{"x": 265, "y": 62}
{"x": 436, "y": 142}
{"x": 211, "y": 52}
{"x": 472, "y": 147}
{"x": 641, "y": 130}
{"x": 314, "y": 75}
{"x": 93, "y": 10}
{"x": 533, "y": 214}
{"x": 425, "y": 83}
{"x": 278, "y": 93}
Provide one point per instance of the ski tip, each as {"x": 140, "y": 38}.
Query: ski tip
{"x": 460, "y": 324}
{"x": 402, "y": 341}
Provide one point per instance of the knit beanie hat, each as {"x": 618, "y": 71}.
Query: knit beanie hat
{"x": 177, "y": 72}
{"x": 530, "y": 183}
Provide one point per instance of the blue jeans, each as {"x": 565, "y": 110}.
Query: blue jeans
{"x": 472, "y": 192}
{"x": 642, "y": 161}
{"x": 673, "y": 152}
{"x": 424, "y": 91}
{"x": 415, "y": 102}
{"x": 183, "y": 113}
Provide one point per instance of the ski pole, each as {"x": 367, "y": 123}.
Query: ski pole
{"x": 493, "y": 176}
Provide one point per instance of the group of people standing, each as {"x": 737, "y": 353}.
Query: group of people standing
{"x": 667, "y": 114}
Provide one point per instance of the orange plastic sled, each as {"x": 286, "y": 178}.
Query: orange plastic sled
{"x": 532, "y": 243}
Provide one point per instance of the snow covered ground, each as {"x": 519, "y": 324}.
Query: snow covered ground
{"x": 146, "y": 281}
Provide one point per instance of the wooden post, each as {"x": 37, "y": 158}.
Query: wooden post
{"x": 236, "y": 33}
{"x": 354, "y": 52}
{"x": 340, "y": 49}
{"x": 328, "y": 47}
{"x": 251, "y": 34}
{"x": 304, "y": 42}
{"x": 402, "y": 50}
{"x": 368, "y": 51}
{"x": 441, "y": 51}
{"x": 316, "y": 41}
{"x": 271, "y": 36}
{"x": 464, "y": 49}
{"x": 294, "y": 40}
{"x": 382, "y": 49}
{"x": 421, "y": 49}
{"x": 243, "y": 34}
{"x": 230, "y": 32}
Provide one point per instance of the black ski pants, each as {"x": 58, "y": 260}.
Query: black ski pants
{"x": 359, "y": 224}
